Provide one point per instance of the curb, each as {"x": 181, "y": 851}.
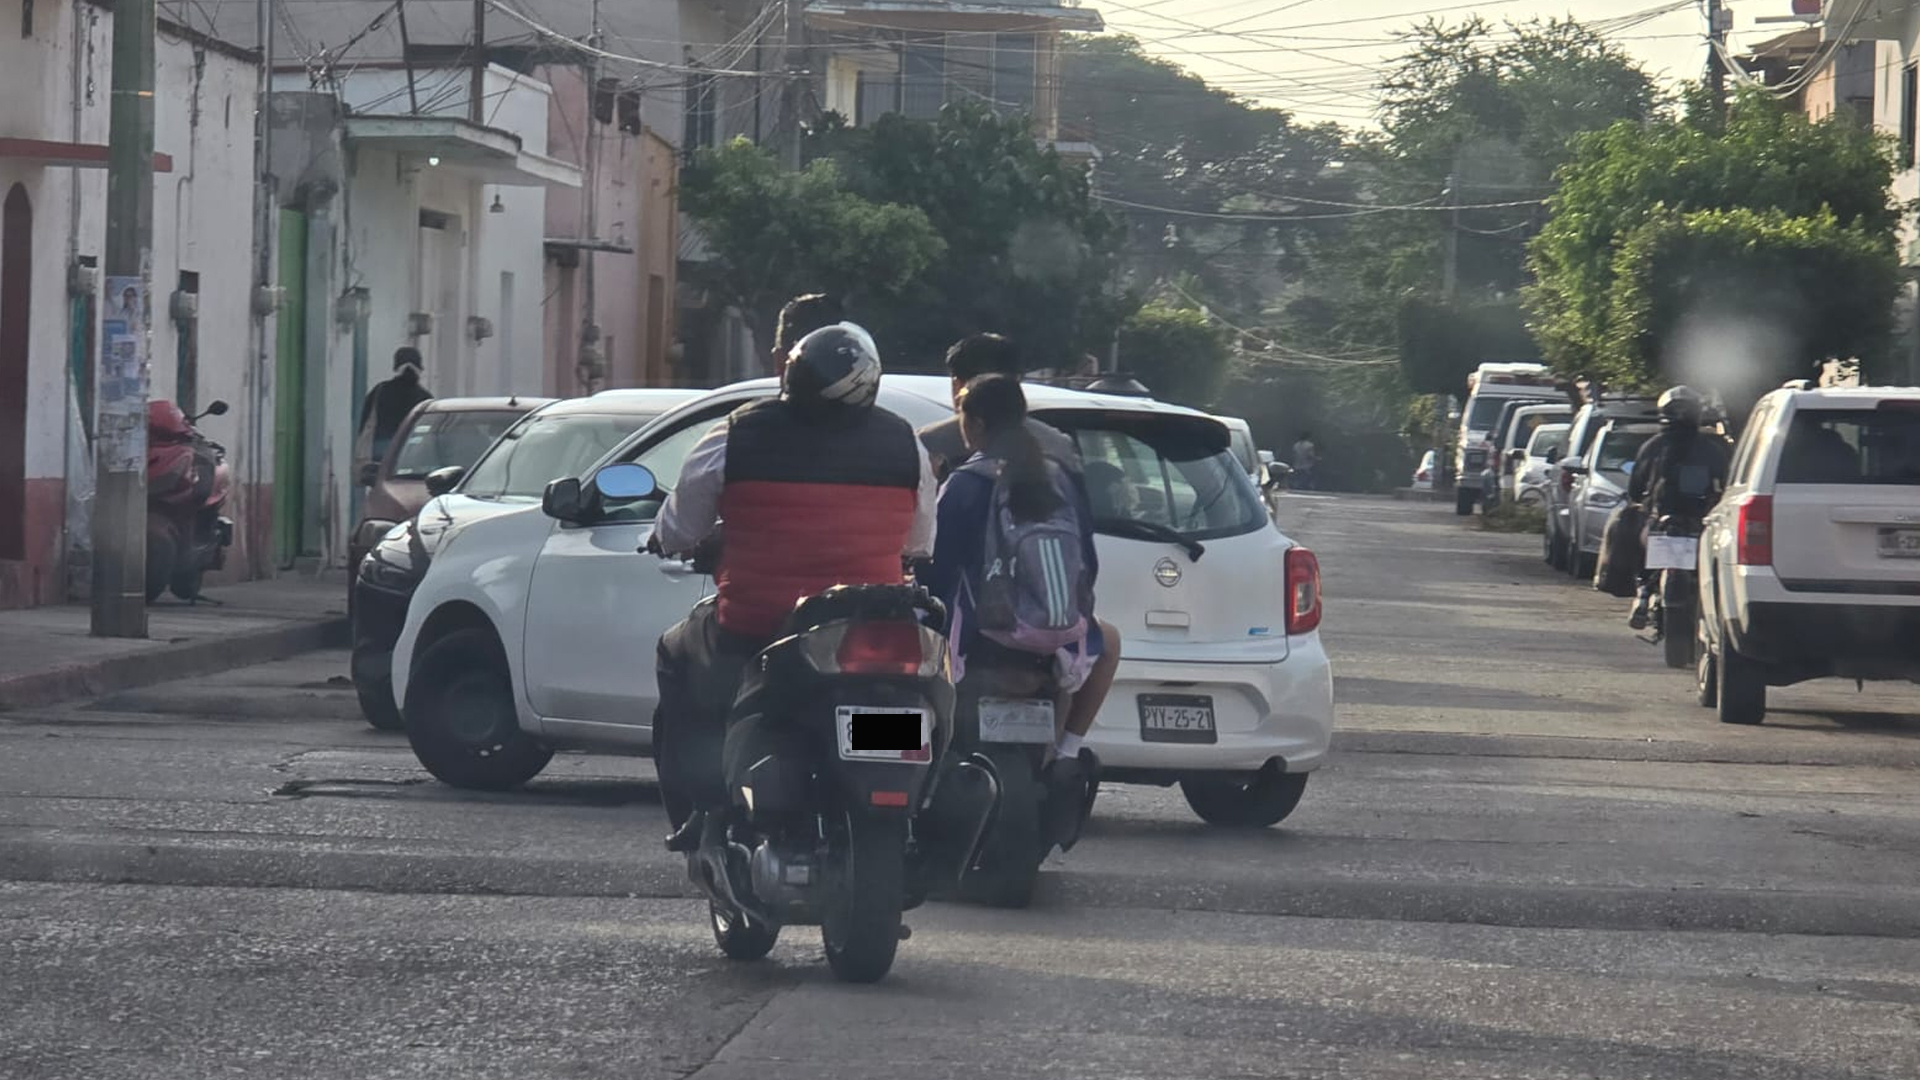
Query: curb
{"x": 201, "y": 656}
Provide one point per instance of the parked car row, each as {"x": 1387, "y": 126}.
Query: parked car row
{"x": 512, "y": 615}
{"x": 1809, "y": 565}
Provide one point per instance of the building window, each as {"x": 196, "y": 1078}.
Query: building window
{"x": 1014, "y": 71}
{"x": 922, "y": 81}
{"x": 875, "y": 95}
{"x": 604, "y": 93}
{"x": 1909, "y": 92}
{"x": 702, "y": 108}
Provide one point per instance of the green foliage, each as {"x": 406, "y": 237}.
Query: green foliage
{"x": 1024, "y": 249}
{"x": 1179, "y": 353}
{"x": 1772, "y": 215}
{"x": 776, "y": 234}
{"x": 1441, "y": 343}
{"x": 1512, "y": 517}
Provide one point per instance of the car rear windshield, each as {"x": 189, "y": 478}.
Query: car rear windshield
{"x": 543, "y": 448}
{"x": 1163, "y": 472}
{"x": 1546, "y": 442}
{"x": 1484, "y": 411}
{"x": 1852, "y": 446}
{"x": 453, "y": 437}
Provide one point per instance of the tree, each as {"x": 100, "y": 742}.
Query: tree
{"x": 1179, "y": 353}
{"x": 1024, "y": 249}
{"x": 775, "y": 234}
{"x": 1661, "y": 232}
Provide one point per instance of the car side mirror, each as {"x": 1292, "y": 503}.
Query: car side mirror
{"x": 563, "y": 500}
{"x": 1266, "y": 457}
{"x": 1576, "y": 468}
{"x": 1553, "y": 456}
{"x": 441, "y": 481}
{"x": 370, "y": 474}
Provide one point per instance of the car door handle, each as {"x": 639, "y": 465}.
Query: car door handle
{"x": 676, "y": 567}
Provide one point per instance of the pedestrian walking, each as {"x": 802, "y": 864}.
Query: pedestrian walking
{"x": 387, "y": 404}
{"x": 1306, "y": 462}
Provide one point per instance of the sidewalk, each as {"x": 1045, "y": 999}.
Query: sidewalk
{"x": 47, "y": 655}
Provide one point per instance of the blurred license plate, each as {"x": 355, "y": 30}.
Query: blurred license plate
{"x": 1177, "y": 718}
{"x": 1673, "y": 552}
{"x": 1007, "y": 721}
{"x": 877, "y": 733}
{"x": 1900, "y": 543}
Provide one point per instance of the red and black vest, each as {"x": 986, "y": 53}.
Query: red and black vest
{"x": 810, "y": 503}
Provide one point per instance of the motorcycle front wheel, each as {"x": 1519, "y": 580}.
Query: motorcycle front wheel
{"x": 861, "y": 927}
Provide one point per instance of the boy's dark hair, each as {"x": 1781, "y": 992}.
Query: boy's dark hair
{"x": 983, "y": 354}
{"x": 406, "y": 354}
{"x": 1000, "y": 405}
{"x": 802, "y": 316}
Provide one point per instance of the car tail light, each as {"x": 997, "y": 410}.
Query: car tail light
{"x": 1303, "y": 591}
{"x": 880, "y": 648}
{"x": 1754, "y": 535}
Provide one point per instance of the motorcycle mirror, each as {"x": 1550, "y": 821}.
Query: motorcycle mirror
{"x": 625, "y": 482}
{"x": 218, "y": 408}
{"x": 441, "y": 481}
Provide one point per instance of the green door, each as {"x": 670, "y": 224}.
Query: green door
{"x": 290, "y": 392}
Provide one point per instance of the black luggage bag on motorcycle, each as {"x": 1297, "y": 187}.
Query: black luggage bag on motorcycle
{"x": 1623, "y": 552}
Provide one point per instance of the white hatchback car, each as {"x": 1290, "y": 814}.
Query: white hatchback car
{"x": 531, "y": 634}
{"x": 1810, "y": 564}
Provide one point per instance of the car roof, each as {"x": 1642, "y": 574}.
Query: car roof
{"x": 1041, "y": 397}
{"x": 484, "y": 404}
{"x": 1848, "y": 396}
{"x": 643, "y": 401}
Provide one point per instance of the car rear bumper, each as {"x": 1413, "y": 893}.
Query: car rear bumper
{"x": 1263, "y": 712}
{"x": 1868, "y": 641}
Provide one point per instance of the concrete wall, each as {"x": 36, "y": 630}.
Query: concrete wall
{"x": 204, "y": 104}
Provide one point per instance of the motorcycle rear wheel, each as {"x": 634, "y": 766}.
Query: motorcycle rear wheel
{"x": 861, "y": 930}
{"x": 1013, "y": 849}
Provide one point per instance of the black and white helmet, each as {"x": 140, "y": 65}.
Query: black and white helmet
{"x": 1682, "y": 406}
{"x": 834, "y": 367}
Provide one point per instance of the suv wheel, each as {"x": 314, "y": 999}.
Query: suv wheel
{"x": 1555, "y": 544}
{"x": 1264, "y": 799}
{"x": 460, "y": 716}
{"x": 1742, "y": 686}
{"x": 1706, "y": 673}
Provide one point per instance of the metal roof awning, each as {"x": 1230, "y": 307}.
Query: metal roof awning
{"x": 68, "y": 154}
{"x": 1067, "y": 13}
{"x": 487, "y": 154}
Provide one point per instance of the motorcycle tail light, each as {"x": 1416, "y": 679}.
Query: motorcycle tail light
{"x": 880, "y": 648}
{"x": 1303, "y": 591}
{"x": 1754, "y": 531}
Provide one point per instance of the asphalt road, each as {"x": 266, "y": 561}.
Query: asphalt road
{"x": 1531, "y": 857}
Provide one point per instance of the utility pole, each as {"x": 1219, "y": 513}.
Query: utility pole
{"x": 590, "y": 365}
{"x": 1719, "y": 21}
{"x": 792, "y": 57}
{"x": 1450, "y": 269}
{"x": 120, "y": 506}
{"x": 477, "y": 92}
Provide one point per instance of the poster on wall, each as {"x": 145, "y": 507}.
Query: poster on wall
{"x": 122, "y": 391}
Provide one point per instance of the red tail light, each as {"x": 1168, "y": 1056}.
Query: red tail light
{"x": 880, "y": 648}
{"x": 1754, "y": 536}
{"x": 1303, "y": 591}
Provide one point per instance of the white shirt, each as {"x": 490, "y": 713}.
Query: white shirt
{"x": 693, "y": 507}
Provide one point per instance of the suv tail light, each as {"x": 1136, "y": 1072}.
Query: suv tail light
{"x": 880, "y": 648}
{"x": 1303, "y": 591}
{"x": 1754, "y": 531}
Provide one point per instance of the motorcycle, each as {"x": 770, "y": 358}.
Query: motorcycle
{"x": 1006, "y": 717}
{"x": 1673, "y": 549}
{"x": 831, "y": 826}
{"x": 187, "y": 487}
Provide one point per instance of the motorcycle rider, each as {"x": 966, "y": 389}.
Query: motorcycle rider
{"x": 991, "y": 354}
{"x": 1679, "y": 473}
{"x": 994, "y": 413}
{"x": 819, "y": 488}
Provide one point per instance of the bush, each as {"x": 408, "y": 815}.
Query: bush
{"x": 1510, "y": 517}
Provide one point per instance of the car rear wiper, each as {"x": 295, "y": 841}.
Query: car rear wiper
{"x": 1151, "y": 530}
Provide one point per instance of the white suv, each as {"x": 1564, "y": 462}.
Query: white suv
{"x": 530, "y": 634}
{"x": 1810, "y": 565}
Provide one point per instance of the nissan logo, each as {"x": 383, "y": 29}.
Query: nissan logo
{"x": 1167, "y": 572}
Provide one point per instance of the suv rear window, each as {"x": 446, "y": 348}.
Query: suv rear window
{"x": 1852, "y": 446}
{"x": 1168, "y": 472}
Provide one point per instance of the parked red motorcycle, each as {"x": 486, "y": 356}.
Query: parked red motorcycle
{"x": 187, "y": 485}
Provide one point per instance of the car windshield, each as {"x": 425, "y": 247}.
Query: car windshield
{"x": 544, "y": 447}
{"x": 1167, "y": 475}
{"x": 1853, "y": 446}
{"x": 1618, "y": 449}
{"x": 449, "y": 437}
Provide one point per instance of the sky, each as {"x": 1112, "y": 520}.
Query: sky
{"x": 1318, "y": 58}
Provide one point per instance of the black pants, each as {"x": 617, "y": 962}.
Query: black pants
{"x": 700, "y": 665}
